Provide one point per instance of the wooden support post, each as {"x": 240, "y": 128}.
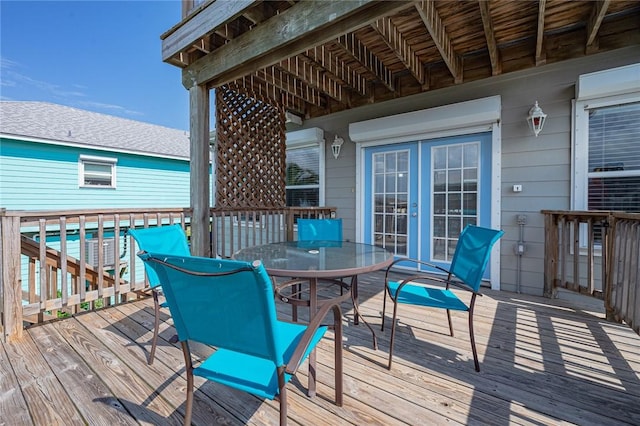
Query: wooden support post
{"x": 10, "y": 278}
{"x": 199, "y": 153}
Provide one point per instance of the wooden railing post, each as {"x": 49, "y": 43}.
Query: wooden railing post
{"x": 10, "y": 277}
{"x": 289, "y": 223}
{"x": 550, "y": 254}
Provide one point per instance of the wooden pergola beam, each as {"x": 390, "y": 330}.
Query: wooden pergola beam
{"x": 540, "y": 55}
{"x": 352, "y": 46}
{"x": 400, "y": 46}
{"x": 301, "y": 27}
{"x": 288, "y": 83}
{"x": 432, "y": 21}
{"x": 314, "y": 76}
{"x": 595, "y": 20}
{"x": 338, "y": 68}
{"x": 487, "y": 24}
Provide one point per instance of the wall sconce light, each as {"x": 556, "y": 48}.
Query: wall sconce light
{"x": 536, "y": 119}
{"x": 336, "y": 145}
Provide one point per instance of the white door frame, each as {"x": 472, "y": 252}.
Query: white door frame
{"x": 476, "y": 116}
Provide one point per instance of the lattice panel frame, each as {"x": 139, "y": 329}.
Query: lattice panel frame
{"x": 250, "y": 149}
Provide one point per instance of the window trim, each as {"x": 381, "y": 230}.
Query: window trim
{"x": 108, "y": 161}
{"x": 596, "y": 90}
{"x": 306, "y": 138}
{"x": 601, "y": 89}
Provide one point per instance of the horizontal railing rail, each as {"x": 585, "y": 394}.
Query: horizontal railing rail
{"x": 57, "y": 263}
{"x": 595, "y": 253}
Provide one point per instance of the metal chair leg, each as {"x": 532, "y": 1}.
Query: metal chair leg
{"x": 393, "y": 334}
{"x": 473, "y": 342}
{"x": 156, "y": 327}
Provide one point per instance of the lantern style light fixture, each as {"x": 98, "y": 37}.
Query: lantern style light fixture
{"x": 336, "y": 146}
{"x": 536, "y": 119}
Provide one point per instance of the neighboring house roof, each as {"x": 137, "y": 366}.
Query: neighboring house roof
{"x": 59, "y": 124}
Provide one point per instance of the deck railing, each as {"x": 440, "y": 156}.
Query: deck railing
{"x": 57, "y": 263}
{"x": 596, "y": 253}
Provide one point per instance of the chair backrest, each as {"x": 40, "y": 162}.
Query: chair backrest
{"x": 168, "y": 239}
{"x": 221, "y": 302}
{"x": 472, "y": 254}
{"x": 319, "y": 229}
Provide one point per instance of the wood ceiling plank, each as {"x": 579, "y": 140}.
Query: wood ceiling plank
{"x": 329, "y": 61}
{"x": 487, "y": 24}
{"x": 315, "y": 76}
{"x": 400, "y": 46}
{"x": 595, "y": 20}
{"x": 541, "y": 58}
{"x": 433, "y": 23}
{"x": 351, "y": 45}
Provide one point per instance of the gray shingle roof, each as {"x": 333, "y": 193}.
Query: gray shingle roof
{"x": 63, "y": 124}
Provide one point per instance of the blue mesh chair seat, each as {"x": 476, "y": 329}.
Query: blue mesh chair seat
{"x": 468, "y": 264}
{"x": 229, "y": 304}
{"x": 161, "y": 239}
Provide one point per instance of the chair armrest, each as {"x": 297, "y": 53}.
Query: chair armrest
{"x": 314, "y": 324}
{"x": 406, "y": 259}
{"x": 446, "y": 282}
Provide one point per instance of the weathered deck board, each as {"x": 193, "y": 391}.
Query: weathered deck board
{"x": 542, "y": 362}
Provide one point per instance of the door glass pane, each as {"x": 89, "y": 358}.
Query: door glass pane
{"x": 455, "y": 195}
{"x": 390, "y": 186}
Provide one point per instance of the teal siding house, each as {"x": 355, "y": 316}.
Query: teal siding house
{"x": 55, "y": 157}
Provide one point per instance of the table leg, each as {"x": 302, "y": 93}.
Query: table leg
{"x": 357, "y": 315}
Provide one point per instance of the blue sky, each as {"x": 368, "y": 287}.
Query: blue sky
{"x": 101, "y": 56}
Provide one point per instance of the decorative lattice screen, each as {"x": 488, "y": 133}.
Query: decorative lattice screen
{"x": 251, "y": 149}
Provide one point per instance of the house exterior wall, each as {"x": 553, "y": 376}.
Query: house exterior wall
{"x": 38, "y": 176}
{"x": 541, "y": 165}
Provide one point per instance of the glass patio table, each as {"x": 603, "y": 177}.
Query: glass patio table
{"x": 316, "y": 261}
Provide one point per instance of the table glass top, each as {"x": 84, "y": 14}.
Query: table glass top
{"x": 317, "y": 258}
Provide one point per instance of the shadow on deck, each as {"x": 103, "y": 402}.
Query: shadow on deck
{"x": 542, "y": 362}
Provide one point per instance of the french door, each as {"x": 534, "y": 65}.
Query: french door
{"x": 420, "y": 195}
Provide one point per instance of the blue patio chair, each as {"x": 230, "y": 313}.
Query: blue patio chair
{"x": 313, "y": 230}
{"x": 467, "y": 268}
{"x": 229, "y": 304}
{"x": 319, "y": 229}
{"x": 162, "y": 239}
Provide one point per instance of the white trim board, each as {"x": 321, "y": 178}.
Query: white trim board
{"x": 480, "y": 115}
{"x": 461, "y": 118}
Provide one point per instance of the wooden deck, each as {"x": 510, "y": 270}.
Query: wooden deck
{"x": 542, "y": 362}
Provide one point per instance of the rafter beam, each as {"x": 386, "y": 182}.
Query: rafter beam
{"x": 314, "y": 76}
{"x": 252, "y": 84}
{"x": 287, "y": 83}
{"x": 359, "y": 52}
{"x": 301, "y": 27}
{"x": 487, "y": 24}
{"x": 541, "y": 57}
{"x": 595, "y": 20}
{"x": 400, "y": 46}
{"x": 343, "y": 72}
{"x": 433, "y": 23}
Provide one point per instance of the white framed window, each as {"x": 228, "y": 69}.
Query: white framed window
{"x": 606, "y": 142}
{"x": 456, "y": 170}
{"x": 606, "y": 139}
{"x": 305, "y": 168}
{"x": 97, "y": 172}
